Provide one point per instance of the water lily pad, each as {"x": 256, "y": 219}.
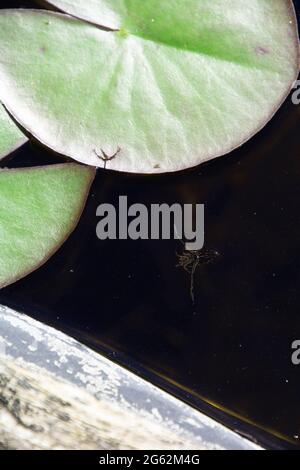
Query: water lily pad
{"x": 39, "y": 208}
{"x": 10, "y": 136}
{"x": 179, "y": 83}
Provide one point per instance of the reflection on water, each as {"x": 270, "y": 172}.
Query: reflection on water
{"x": 229, "y": 351}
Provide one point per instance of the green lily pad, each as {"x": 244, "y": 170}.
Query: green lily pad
{"x": 11, "y": 137}
{"x": 179, "y": 83}
{"x": 39, "y": 208}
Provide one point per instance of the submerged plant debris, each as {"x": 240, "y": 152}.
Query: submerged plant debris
{"x": 191, "y": 260}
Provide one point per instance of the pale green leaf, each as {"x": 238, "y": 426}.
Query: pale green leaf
{"x": 39, "y": 208}
{"x": 181, "y": 82}
{"x": 10, "y": 136}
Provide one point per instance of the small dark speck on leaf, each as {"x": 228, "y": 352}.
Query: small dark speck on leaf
{"x": 156, "y": 167}
{"x": 260, "y": 50}
{"x": 43, "y": 50}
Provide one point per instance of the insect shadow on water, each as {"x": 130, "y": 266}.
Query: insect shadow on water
{"x": 191, "y": 260}
{"x": 106, "y": 158}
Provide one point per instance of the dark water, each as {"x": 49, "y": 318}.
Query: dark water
{"x": 230, "y": 354}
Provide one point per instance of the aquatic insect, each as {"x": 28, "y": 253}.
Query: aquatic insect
{"x": 106, "y": 158}
{"x": 190, "y": 261}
